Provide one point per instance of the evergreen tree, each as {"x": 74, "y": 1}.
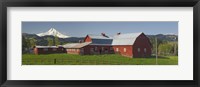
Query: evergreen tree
{"x": 50, "y": 41}
{"x": 24, "y": 44}
{"x": 56, "y": 40}
{"x": 153, "y": 43}
{"x": 165, "y": 49}
{"x": 32, "y": 42}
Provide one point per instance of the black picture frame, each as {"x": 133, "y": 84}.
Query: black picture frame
{"x": 98, "y": 3}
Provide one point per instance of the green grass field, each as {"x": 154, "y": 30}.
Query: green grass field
{"x": 107, "y": 59}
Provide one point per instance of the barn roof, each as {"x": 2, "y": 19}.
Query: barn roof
{"x": 46, "y": 46}
{"x": 100, "y": 39}
{"x": 125, "y": 39}
{"x": 76, "y": 45}
{"x": 98, "y": 36}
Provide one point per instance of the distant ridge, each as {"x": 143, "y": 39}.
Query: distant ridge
{"x": 52, "y": 32}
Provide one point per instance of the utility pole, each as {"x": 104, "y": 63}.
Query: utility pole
{"x": 156, "y": 53}
{"x": 175, "y": 47}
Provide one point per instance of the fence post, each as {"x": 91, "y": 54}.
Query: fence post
{"x": 54, "y": 61}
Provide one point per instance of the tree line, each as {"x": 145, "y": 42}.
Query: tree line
{"x": 29, "y": 43}
{"x": 164, "y": 48}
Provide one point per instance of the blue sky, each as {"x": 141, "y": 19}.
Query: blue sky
{"x": 81, "y": 29}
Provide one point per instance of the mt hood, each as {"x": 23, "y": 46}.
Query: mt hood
{"x": 53, "y": 32}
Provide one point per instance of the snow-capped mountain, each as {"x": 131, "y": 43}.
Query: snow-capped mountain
{"x": 53, "y": 32}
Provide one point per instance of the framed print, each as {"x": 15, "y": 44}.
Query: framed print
{"x": 99, "y": 43}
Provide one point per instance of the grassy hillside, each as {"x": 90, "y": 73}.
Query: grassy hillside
{"x": 108, "y": 59}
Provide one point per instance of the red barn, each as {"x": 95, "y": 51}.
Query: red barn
{"x": 100, "y": 44}
{"x": 48, "y": 49}
{"x": 132, "y": 45}
{"x": 129, "y": 45}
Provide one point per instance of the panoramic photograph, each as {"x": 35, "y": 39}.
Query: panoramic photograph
{"x": 99, "y": 43}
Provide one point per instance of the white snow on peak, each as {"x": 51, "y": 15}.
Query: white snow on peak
{"x": 53, "y": 32}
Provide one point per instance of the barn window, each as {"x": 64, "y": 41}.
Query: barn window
{"x": 117, "y": 49}
{"x": 106, "y": 50}
{"x": 54, "y": 49}
{"x": 124, "y": 49}
{"x": 145, "y": 50}
{"x": 45, "y": 49}
{"x": 138, "y": 49}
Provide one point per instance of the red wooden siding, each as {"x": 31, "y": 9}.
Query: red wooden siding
{"x": 98, "y": 49}
{"x": 87, "y": 39}
{"x": 124, "y": 50}
{"x": 48, "y": 50}
{"x": 73, "y": 51}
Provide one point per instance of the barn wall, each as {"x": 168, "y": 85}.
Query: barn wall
{"x": 49, "y": 51}
{"x": 73, "y": 51}
{"x": 142, "y": 42}
{"x": 98, "y": 49}
{"x": 124, "y": 50}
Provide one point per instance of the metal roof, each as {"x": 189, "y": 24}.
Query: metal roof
{"x": 46, "y": 46}
{"x": 100, "y": 40}
{"x": 76, "y": 45}
{"x": 125, "y": 39}
{"x": 98, "y": 36}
